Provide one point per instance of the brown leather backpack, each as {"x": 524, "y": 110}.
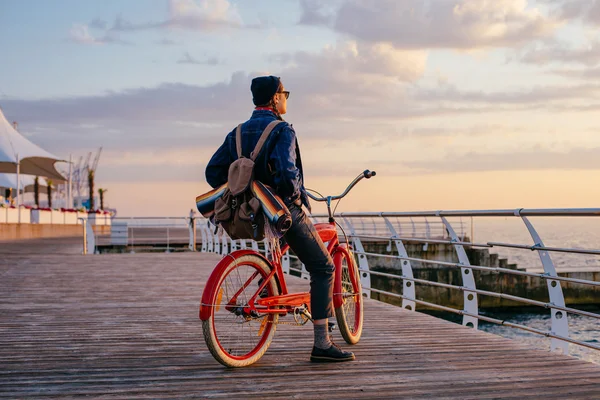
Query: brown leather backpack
{"x": 238, "y": 211}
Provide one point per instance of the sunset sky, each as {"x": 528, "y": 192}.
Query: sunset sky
{"x": 456, "y": 104}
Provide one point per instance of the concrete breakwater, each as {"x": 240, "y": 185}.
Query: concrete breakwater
{"x": 533, "y": 288}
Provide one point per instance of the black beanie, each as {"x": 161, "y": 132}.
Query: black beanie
{"x": 264, "y": 88}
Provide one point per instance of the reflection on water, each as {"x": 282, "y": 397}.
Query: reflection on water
{"x": 581, "y": 328}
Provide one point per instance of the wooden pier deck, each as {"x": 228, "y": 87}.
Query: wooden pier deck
{"x": 125, "y": 326}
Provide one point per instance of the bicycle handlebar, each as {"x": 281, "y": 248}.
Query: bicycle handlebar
{"x": 366, "y": 174}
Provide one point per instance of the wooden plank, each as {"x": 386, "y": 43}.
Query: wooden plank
{"x": 126, "y": 326}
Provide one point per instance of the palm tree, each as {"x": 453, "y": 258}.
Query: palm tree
{"x": 101, "y": 194}
{"x": 91, "y": 188}
{"x": 49, "y": 191}
{"x": 36, "y": 191}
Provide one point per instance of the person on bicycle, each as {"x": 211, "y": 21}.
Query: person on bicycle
{"x": 279, "y": 166}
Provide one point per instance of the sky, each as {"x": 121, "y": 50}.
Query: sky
{"x": 457, "y": 104}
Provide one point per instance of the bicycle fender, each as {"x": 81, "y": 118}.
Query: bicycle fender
{"x": 215, "y": 276}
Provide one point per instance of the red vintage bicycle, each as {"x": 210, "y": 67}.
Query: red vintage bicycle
{"x": 246, "y": 295}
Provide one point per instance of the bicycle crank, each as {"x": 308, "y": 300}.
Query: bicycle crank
{"x": 302, "y": 315}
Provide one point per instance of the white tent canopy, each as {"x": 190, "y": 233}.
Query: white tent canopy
{"x": 32, "y": 159}
{"x": 9, "y": 181}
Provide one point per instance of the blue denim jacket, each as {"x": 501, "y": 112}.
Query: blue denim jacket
{"x": 278, "y": 164}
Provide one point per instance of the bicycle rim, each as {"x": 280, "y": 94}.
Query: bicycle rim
{"x": 350, "y": 314}
{"x": 235, "y": 338}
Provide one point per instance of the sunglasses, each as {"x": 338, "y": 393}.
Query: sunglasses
{"x": 285, "y": 93}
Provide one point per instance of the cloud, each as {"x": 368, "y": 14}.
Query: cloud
{"x": 350, "y": 78}
{"x": 562, "y": 53}
{"x": 354, "y": 60}
{"x": 533, "y": 159}
{"x": 533, "y": 96}
{"x": 167, "y": 102}
{"x": 207, "y": 15}
{"x": 587, "y": 11}
{"x": 418, "y": 24}
{"x": 338, "y": 81}
{"x": 80, "y": 33}
{"x": 201, "y": 16}
{"x": 186, "y": 58}
{"x": 167, "y": 42}
{"x": 98, "y": 23}
{"x": 586, "y": 73}
{"x": 316, "y": 12}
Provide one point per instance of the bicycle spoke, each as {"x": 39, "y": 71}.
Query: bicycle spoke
{"x": 239, "y": 334}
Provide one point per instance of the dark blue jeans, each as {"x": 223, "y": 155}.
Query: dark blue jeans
{"x": 310, "y": 249}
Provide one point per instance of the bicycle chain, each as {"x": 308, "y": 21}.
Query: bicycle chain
{"x": 294, "y": 323}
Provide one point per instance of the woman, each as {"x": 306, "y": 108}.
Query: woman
{"x": 279, "y": 166}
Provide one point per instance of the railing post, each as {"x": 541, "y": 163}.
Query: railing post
{"x": 203, "y": 233}
{"x": 470, "y": 297}
{"x": 216, "y": 243}
{"x": 266, "y": 246}
{"x": 90, "y": 239}
{"x": 363, "y": 263}
{"x": 560, "y": 325}
{"x": 210, "y": 238}
{"x": 132, "y": 251}
{"x": 304, "y": 273}
{"x": 472, "y": 230}
{"x": 83, "y": 224}
{"x": 285, "y": 262}
{"x": 427, "y": 234}
{"x": 224, "y": 244}
{"x": 192, "y": 229}
{"x": 168, "y": 240}
{"x": 408, "y": 288}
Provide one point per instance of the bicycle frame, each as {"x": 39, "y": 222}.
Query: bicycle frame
{"x": 285, "y": 302}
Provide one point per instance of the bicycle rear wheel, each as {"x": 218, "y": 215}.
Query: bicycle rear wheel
{"x": 234, "y": 337}
{"x": 347, "y": 298}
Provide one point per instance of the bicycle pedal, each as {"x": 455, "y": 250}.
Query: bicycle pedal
{"x": 331, "y": 326}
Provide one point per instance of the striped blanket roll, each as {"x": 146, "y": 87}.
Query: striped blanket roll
{"x": 205, "y": 203}
{"x": 275, "y": 210}
{"x": 273, "y": 207}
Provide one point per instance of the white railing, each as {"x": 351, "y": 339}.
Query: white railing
{"x": 23, "y": 215}
{"x": 559, "y": 332}
{"x": 157, "y": 233}
{"x": 398, "y": 229}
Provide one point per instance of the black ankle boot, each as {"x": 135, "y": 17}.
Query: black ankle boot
{"x": 332, "y": 354}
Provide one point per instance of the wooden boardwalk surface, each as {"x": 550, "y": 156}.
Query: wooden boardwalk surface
{"x": 125, "y": 326}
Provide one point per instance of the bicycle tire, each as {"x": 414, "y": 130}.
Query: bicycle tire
{"x": 237, "y": 340}
{"x": 348, "y": 299}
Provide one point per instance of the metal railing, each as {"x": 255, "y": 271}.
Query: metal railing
{"x": 400, "y": 229}
{"x": 148, "y": 233}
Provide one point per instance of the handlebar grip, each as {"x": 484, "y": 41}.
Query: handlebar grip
{"x": 368, "y": 174}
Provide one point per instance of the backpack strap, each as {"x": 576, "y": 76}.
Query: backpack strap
{"x": 261, "y": 141}
{"x": 238, "y": 140}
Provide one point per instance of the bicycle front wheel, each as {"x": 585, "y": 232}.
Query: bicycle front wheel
{"x": 347, "y": 298}
{"x": 234, "y": 337}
